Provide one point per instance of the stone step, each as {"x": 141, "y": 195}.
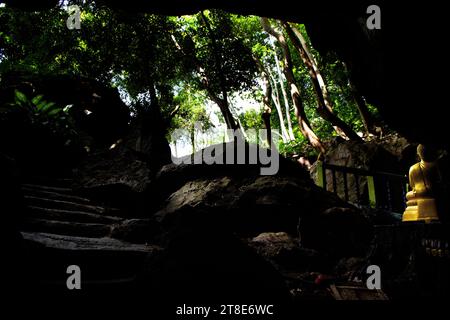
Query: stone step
{"x": 63, "y": 205}
{"x": 70, "y": 215}
{"x": 115, "y": 286}
{"x": 85, "y": 244}
{"x": 93, "y": 230}
{"x": 63, "y": 190}
{"x": 50, "y": 181}
{"x": 54, "y": 195}
{"x": 103, "y": 261}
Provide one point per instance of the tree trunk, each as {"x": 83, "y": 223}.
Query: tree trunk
{"x": 175, "y": 148}
{"x": 266, "y": 100}
{"x": 288, "y": 111}
{"x": 242, "y": 133}
{"x": 369, "y": 123}
{"x": 325, "y": 108}
{"x": 366, "y": 116}
{"x": 283, "y": 91}
{"x": 193, "y": 139}
{"x": 224, "y": 106}
{"x": 276, "y": 102}
{"x": 225, "y": 110}
{"x": 300, "y": 114}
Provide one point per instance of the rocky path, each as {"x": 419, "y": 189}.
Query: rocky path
{"x": 62, "y": 228}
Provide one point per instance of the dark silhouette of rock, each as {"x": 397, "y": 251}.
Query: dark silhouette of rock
{"x": 338, "y": 232}
{"x": 98, "y": 117}
{"x": 205, "y": 265}
{"x": 117, "y": 177}
{"x": 137, "y": 231}
{"x": 96, "y": 108}
{"x": 117, "y": 166}
{"x": 12, "y": 209}
{"x": 120, "y": 175}
{"x": 285, "y": 253}
{"x": 351, "y": 268}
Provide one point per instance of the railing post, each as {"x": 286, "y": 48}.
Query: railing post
{"x": 320, "y": 173}
{"x": 344, "y": 176}
{"x": 371, "y": 189}
{"x": 333, "y": 175}
{"x": 358, "y": 191}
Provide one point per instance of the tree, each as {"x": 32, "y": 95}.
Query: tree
{"x": 266, "y": 101}
{"x": 366, "y": 116}
{"x": 222, "y": 64}
{"x": 280, "y": 83}
{"x": 189, "y": 113}
{"x": 303, "y": 122}
{"x": 325, "y": 108}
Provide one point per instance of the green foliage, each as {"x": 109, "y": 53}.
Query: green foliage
{"x": 209, "y": 41}
{"x": 191, "y": 111}
{"x": 42, "y": 115}
{"x": 140, "y": 54}
{"x": 133, "y": 51}
{"x": 292, "y": 148}
{"x": 251, "y": 119}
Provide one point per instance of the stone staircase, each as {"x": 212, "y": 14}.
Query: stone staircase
{"x": 62, "y": 228}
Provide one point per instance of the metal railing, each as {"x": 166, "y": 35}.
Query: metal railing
{"x": 377, "y": 189}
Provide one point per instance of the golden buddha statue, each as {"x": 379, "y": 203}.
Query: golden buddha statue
{"x": 424, "y": 178}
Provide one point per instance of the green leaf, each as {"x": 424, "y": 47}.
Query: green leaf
{"x": 40, "y": 105}
{"x": 48, "y": 106}
{"x": 54, "y": 112}
{"x": 37, "y": 99}
{"x": 20, "y": 97}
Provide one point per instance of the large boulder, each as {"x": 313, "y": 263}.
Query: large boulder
{"x": 248, "y": 206}
{"x": 113, "y": 167}
{"x": 237, "y": 197}
{"x": 115, "y": 177}
{"x": 121, "y": 173}
{"x": 173, "y": 176}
